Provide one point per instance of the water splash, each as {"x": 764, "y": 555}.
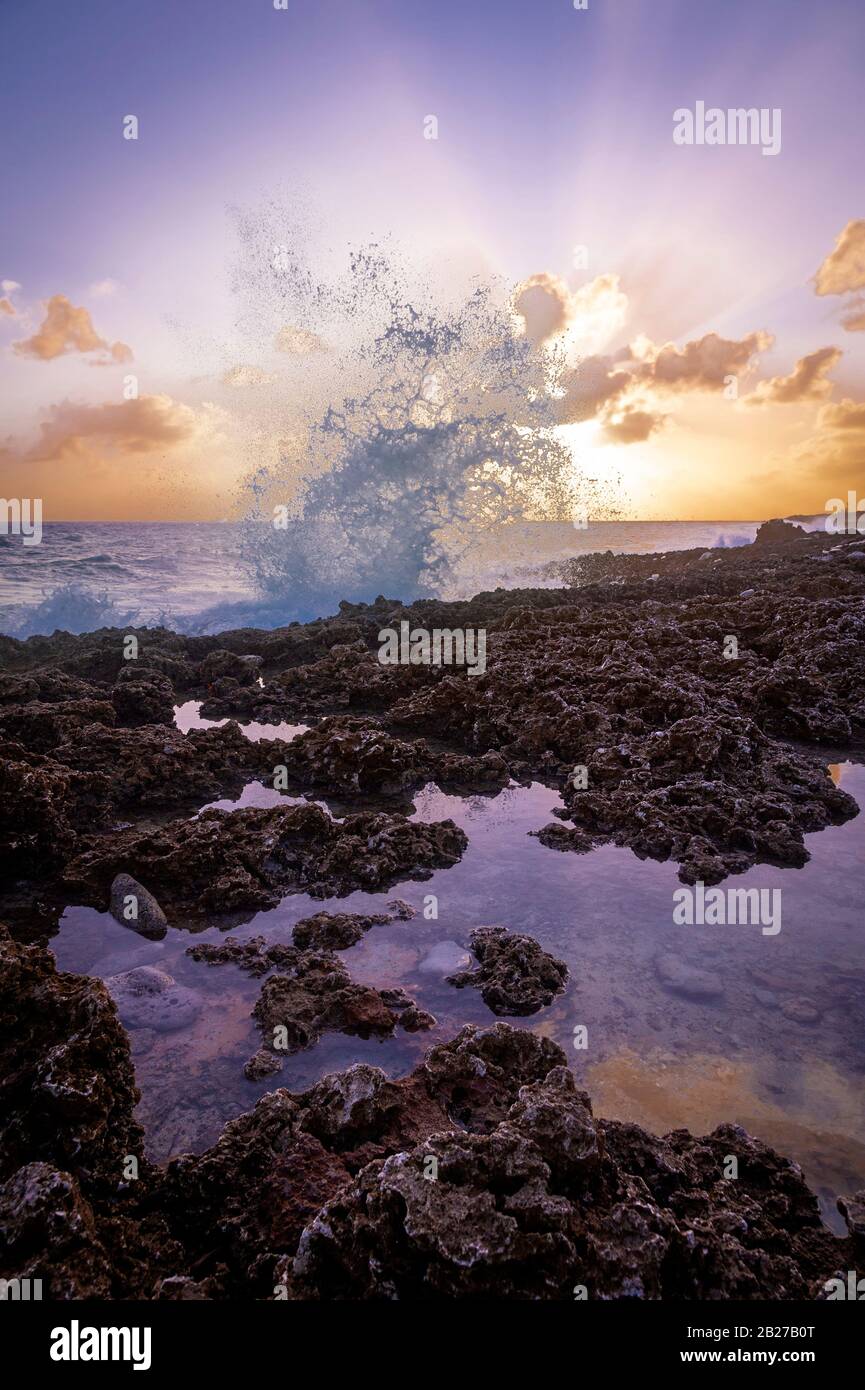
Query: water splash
{"x": 438, "y": 427}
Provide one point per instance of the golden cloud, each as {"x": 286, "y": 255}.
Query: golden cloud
{"x": 704, "y": 364}
{"x": 844, "y": 268}
{"x": 854, "y": 319}
{"x": 806, "y": 382}
{"x": 247, "y": 376}
{"x": 128, "y": 427}
{"x": 298, "y": 342}
{"x": 548, "y": 308}
{"x": 836, "y": 453}
{"x": 7, "y": 307}
{"x": 621, "y": 388}
{"x": 631, "y": 425}
{"x": 543, "y": 302}
{"x": 65, "y": 329}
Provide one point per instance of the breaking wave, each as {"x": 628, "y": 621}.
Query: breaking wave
{"x": 437, "y": 428}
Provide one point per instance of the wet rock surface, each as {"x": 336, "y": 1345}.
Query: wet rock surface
{"x": 150, "y": 998}
{"x": 311, "y": 992}
{"x": 514, "y": 974}
{"x": 131, "y": 904}
{"x": 249, "y": 859}
{"x": 692, "y": 750}
{"x": 484, "y": 1173}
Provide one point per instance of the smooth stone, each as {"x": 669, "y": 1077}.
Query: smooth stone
{"x": 801, "y": 1011}
{"x": 150, "y": 998}
{"x": 685, "y": 979}
{"x": 151, "y": 920}
{"x": 445, "y": 958}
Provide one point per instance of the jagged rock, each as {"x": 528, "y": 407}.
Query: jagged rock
{"x": 224, "y": 861}
{"x": 515, "y": 975}
{"x": 334, "y": 931}
{"x": 263, "y": 1063}
{"x": 777, "y": 532}
{"x": 482, "y": 1174}
{"x": 67, "y": 1088}
{"x": 550, "y": 1200}
{"x": 142, "y": 695}
{"x": 255, "y": 956}
{"x": 319, "y": 996}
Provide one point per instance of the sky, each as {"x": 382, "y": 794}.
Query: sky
{"x": 708, "y": 298}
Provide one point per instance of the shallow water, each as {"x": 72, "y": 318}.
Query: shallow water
{"x": 187, "y": 716}
{"x": 191, "y": 576}
{"x": 653, "y": 1056}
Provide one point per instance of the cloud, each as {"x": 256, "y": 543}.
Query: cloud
{"x": 103, "y": 289}
{"x": 8, "y": 288}
{"x": 843, "y": 415}
{"x": 836, "y": 453}
{"x": 631, "y": 425}
{"x": 854, "y": 320}
{"x": 298, "y": 342}
{"x": 64, "y": 329}
{"x": 703, "y": 364}
{"x": 844, "y": 268}
{"x": 127, "y": 427}
{"x": 247, "y": 376}
{"x": 548, "y": 308}
{"x": 543, "y": 302}
{"x": 623, "y": 387}
{"x": 806, "y": 382}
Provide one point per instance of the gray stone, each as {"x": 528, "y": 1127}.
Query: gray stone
{"x": 681, "y": 978}
{"x": 150, "y": 998}
{"x": 445, "y": 958}
{"x": 150, "y": 920}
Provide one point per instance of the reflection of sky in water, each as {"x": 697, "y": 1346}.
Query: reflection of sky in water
{"x": 187, "y": 716}
{"x": 653, "y": 1057}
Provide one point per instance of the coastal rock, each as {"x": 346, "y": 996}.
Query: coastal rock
{"x": 853, "y": 1211}
{"x": 334, "y": 931}
{"x": 44, "y": 807}
{"x": 250, "y": 858}
{"x": 67, "y": 1088}
{"x": 801, "y": 1010}
{"x": 319, "y": 996}
{"x": 776, "y": 532}
{"x": 142, "y": 695}
{"x": 552, "y": 1199}
{"x": 514, "y": 975}
{"x": 483, "y": 1173}
{"x": 218, "y": 664}
{"x": 157, "y": 765}
{"x": 255, "y": 956}
{"x": 261, "y": 1064}
{"x": 128, "y": 895}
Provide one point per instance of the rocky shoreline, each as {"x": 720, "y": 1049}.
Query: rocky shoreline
{"x": 483, "y": 1173}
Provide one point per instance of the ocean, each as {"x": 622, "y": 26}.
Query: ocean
{"x": 200, "y": 577}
